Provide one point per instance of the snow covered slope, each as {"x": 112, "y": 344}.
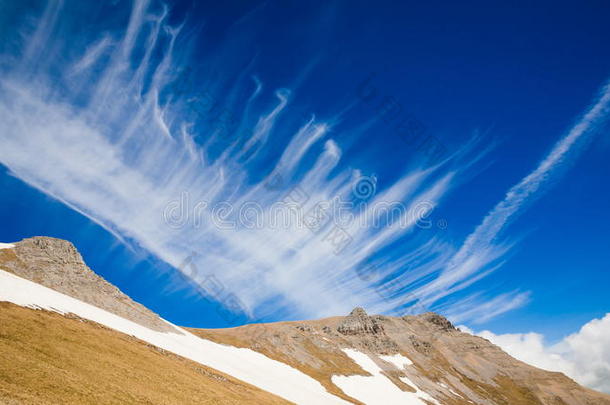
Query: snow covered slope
{"x": 378, "y": 389}
{"x": 244, "y": 364}
{"x": 398, "y": 360}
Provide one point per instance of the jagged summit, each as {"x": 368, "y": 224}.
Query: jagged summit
{"x": 358, "y": 311}
{"x": 440, "y": 321}
{"x": 359, "y": 322}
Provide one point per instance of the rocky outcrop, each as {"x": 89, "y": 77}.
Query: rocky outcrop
{"x": 438, "y": 320}
{"x": 358, "y": 322}
{"x": 56, "y": 264}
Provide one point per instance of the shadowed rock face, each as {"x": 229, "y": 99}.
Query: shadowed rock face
{"x": 56, "y": 264}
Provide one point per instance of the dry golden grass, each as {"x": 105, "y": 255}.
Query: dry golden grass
{"x": 47, "y": 358}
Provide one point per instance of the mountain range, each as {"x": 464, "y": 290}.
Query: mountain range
{"x": 67, "y": 336}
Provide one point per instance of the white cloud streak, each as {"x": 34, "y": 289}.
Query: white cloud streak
{"x": 482, "y": 248}
{"x": 121, "y": 156}
{"x": 129, "y": 147}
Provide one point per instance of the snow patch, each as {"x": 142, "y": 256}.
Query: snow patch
{"x": 6, "y": 245}
{"x": 377, "y": 389}
{"x": 243, "y": 364}
{"x": 448, "y": 388}
{"x": 420, "y": 394}
{"x": 398, "y": 360}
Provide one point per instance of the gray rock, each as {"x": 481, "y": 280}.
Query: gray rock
{"x": 358, "y": 322}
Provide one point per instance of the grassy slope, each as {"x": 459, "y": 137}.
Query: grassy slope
{"x": 47, "y": 358}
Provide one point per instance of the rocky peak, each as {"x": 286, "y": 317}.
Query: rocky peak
{"x": 46, "y": 249}
{"x": 358, "y": 312}
{"x": 56, "y": 264}
{"x": 358, "y": 322}
{"x": 438, "y": 320}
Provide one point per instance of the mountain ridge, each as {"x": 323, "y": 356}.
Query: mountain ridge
{"x": 454, "y": 378}
{"x": 57, "y": 264}
{"x": 357, "y": 358}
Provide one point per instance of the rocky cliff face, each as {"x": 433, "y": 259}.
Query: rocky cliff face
{"x": 55, "y": 263}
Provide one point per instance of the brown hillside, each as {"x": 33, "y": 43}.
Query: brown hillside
{"x": 47, "y": 358}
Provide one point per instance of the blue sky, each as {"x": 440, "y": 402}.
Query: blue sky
{"x": 106, "y": 119}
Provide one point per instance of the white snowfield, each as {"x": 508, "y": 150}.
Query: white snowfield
{"x": 6, "y": 245}
{"x": 398, "y": 360}
{"x": 244, "y": 364}
{"x": 378, "y": 389}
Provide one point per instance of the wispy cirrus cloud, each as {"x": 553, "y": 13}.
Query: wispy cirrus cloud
{"x": 119, "y": 145}
{"x": 483, "y": 247}
{"x": 115, "y": 139}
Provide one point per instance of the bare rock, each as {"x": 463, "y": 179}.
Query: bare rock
{"x": 438, "y": 320}
{"x": 358, "y": 322}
